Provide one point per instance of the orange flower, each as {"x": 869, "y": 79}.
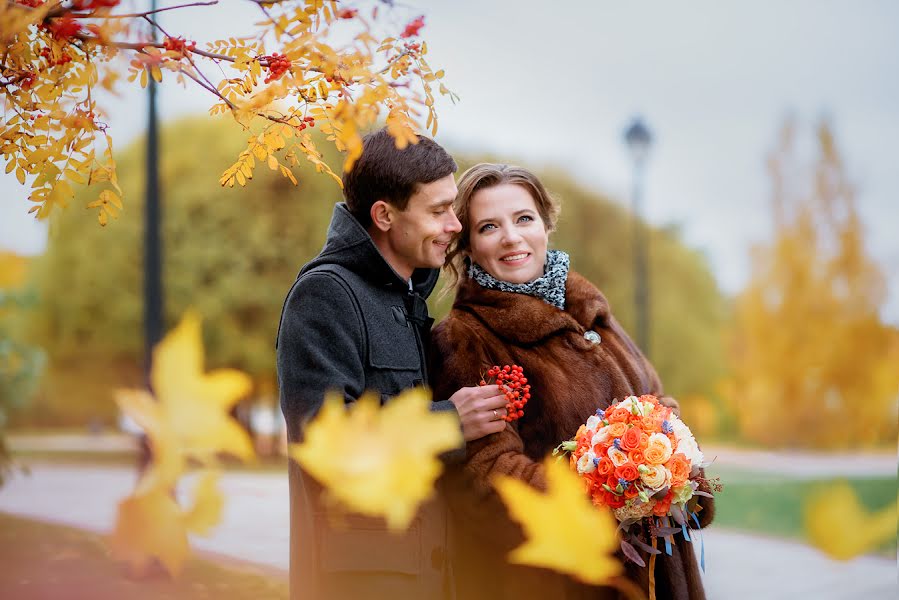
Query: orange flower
{"x": 631, "y": 439}
{"x": 637, "y": 456}
{"x": 605, "y": 466}
{"x": 662, "y": 506}
{"x": 617, "y": 429}
{"x": 614, "y": 501}
{"x": 627, "y": 471}
{"x": 680, "y": 469}
{"x": 631, "y": 492}
{"x": 644, "y": 441}
{"x": 619, "y": 415}
{"x": 658, "y": 451}
{"x": 650, "y": 423}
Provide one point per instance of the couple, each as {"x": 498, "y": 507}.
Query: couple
{"x": 356, "y": 320}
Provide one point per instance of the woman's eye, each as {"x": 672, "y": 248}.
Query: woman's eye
{"x": 486, "y": 227}
{"x": 525, "y": 218}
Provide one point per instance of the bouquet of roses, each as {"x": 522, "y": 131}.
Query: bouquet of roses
{"x": 640, "y": 460}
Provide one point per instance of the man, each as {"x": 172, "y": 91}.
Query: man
{"x": 356, "y": 320}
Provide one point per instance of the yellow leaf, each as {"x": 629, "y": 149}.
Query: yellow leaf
{"x": 150, "y": 526}
{"x": 20, "y": 175}
{"x": 75, "y": 176}
{"x": 208, "y": 502}
{"x": 143, "y": 78}
{"x": 272, "y": 162}
{"x": 838, "y": 525}
{"x": 397, "y": 464}
{"x": 168, "y": 461}
{"x": 563, "y": 530}
{"x": 197, "y": 404}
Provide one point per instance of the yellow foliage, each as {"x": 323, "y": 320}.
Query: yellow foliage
{"x": 187, "y": 420}
{"x": 813, "y": 365}
{"x": 13, "y": 270}
{"x": 292, "y": 72}
{"x": 837, "y": 523}
{"x": 378, "y": 461}
{"x": 564, "y": 531}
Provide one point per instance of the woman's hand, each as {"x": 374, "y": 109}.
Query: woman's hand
{"x": 480, "y": 409}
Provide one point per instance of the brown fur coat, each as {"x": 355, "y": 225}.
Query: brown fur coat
{"x": 570, "y": 378}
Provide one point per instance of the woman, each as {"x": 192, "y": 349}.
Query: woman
{"x": 518, "y": 303}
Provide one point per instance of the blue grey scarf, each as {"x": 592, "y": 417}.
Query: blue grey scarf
{"x": 550, "y": 288}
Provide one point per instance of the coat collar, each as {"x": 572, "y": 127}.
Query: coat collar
{"x": 526, "y": 319}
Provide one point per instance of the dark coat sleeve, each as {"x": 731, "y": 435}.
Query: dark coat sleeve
{"x": 318, "y": 350}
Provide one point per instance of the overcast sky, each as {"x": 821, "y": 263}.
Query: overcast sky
{"x": 556, "y": 83}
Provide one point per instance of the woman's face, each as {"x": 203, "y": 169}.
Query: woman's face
{"x": 508, "y": 238}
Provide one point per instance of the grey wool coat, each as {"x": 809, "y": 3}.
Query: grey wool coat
{"x": 350, "y": 324}
{"x": 570, "y": 377}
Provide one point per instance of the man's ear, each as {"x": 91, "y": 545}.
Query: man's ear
{"x": 381, "y": 215}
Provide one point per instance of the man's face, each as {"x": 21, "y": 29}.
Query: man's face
{"x": 419, "y": 235}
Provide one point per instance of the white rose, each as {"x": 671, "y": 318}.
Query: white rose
{"x": 655, "y": 477}
{"x": 585, "y": 463}
{"x": 686, "y": 443}
{"x": 618, "y": 457}
{"x": 593, "y": 422}
{"x": 600, "y": 436}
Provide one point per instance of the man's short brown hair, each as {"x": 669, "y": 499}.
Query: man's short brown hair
{"x": 384, "y": 172}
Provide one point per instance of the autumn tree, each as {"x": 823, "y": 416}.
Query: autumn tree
{"x": 813, "y": 363}
{"x": 279, "y": 79}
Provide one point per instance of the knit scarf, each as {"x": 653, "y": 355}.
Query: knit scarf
{"x": 550, "y": 287}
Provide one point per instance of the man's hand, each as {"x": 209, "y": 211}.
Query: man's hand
{"x": 480, "y": 409}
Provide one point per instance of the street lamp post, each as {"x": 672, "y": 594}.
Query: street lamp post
{"x": 152, "y": 249}
{"x": 638, "y": 140}
{"x": 152, "y": 217}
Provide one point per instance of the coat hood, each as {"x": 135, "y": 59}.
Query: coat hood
{"x": 350, "y": 246}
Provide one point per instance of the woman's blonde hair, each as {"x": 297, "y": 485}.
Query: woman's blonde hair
{"x": 487, "y": 175}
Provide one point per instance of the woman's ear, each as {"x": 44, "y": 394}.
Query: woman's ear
{"x": 381, "y": 215}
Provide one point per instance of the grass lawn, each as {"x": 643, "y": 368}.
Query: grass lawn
{"x": 772, "y": 504}
{"x": 40, "y": 560}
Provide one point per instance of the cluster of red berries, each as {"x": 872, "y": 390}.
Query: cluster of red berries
{"x": 306, "y": 122}
{"x": 515, "y": 386}
{"x": 64, "y": 28}
{"x": 413, "y": 26}
{"x": 178, "y": 44}
{"x": 61, "y": 60}
{"x": 278, "y": 64}
{"x": 347, "y": 13}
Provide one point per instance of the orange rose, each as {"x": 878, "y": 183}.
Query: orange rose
{"x": 680, "y": 469}
{"x": 627, "y": 471}
{"x": 673, "y": 439}
{"x": 631, "y": 492}
{"x": 649, "y": 423}
{"x": 616, "y": 430}
{"x": 644, "y": 441}
{"x": 662, "y": 506}
{"x": 631, "y": 439}
{"x": 605, "y": 466}
{"x": 637, "y": 456}
{"x": 658, "y": 450}
{"x": 619, "y": 415}
{"x": 649, "y": 398}
{"x": 614, "y": 501}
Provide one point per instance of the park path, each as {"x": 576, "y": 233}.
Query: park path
{"x": 255, "y": 529}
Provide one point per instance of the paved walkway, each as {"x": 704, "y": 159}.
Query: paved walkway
{"x": 255, "y": 529}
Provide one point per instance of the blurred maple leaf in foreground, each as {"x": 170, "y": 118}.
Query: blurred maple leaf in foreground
{"x": 378, "y": 461}
{"x": 563, "y": 530}
{"x": 841, "y": 527}
{"x": 188, "y": 420}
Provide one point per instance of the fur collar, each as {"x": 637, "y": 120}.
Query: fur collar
{"x": 526, "y": 319}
